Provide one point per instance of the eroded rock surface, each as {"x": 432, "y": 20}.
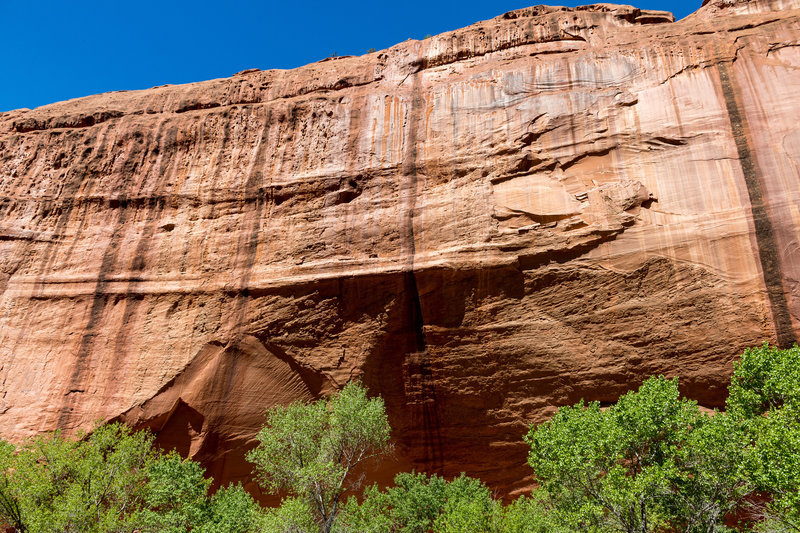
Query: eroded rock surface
{"x": 546, "y": 206}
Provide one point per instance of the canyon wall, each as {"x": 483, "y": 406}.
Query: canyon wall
{"x": 484, "y": 225}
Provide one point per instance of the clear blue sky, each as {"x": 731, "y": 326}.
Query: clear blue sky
{"x": 58, "y": 49}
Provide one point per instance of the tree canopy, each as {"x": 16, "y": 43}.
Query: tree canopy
{"x": 311, "y": 449}
{"x": 650, "y": 462}
{"x": 113, "y": 480}
{"x": 765, "y": 398}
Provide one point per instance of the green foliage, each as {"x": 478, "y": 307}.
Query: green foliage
{"x": 419, "y": 503}
{"x": 711, "y": 481}
{"x": 765, "y": 397}
{"x": 651, "y": 462}
{"x": 372, "y": 515}
{"x": 90, "y": 485}
{"x": 231, "y": 510}
{"x": 774, "y": 466}
{"x": 10, "y": 497}
{"x": 532, "y": 515}
{"x": 293, "y": 516}
{"x": 468, "y": 507}
{"x": 765, "y": 379}
{"x": 310, "y": 449}
{"x": 176, "y": 495}
{"x": 112, "y": 480}
{"x": 416, "y": 501}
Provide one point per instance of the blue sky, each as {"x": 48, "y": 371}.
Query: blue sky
{"x": 57, "y": 49}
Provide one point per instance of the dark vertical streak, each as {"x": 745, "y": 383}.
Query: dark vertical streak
{"x": 100, "y": 298}
{"x": 77, "y": 178}
{"x": 99, "y": 301}
{"x": 254, "y": 192}
{"x": 415, "y": 311}
{"x": 421, "y": 382}
{"x": 154, "y": 208}
{"x": 409, "y": 199}
{"x": 765, "y": 234}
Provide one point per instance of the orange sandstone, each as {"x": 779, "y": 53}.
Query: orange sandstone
{"x": 484, "y": 225}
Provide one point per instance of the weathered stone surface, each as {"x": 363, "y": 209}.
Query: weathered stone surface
{"x": 483, "y": 225}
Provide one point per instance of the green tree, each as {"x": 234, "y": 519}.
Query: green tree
{"x": 533, "y": 514}
{"x": 419, "y": 503}
{"x": 113, "y": 480}
{"x": 712, "y": 481}
{"x": 765, "y": 397}
{"x": 232, "y": 510}
{"x": 416, "y": 501}
{"x": 293, "y": 516}
{"x": 463, "y": 515}
{"x": 54, "y": 484}
{"x": 176, "y": 495}
{"x": 765, "y": 379}
{"x": 11, "y": 513}
{"x": 311, "y": 449}
{"x": 650, "y": 462}
{"x": 371, "y": 515}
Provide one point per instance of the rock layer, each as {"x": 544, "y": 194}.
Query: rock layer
{"x": 484, "y": 225}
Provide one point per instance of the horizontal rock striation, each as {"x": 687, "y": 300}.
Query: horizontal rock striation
{"x": 484, "y": 225}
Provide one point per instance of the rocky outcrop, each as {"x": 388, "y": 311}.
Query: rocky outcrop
{"x": 484, "y": 225}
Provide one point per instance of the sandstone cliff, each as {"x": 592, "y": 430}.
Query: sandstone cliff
{"x": 484, "y": 225}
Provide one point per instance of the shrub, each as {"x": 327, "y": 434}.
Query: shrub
{"x": 311, "y": 449}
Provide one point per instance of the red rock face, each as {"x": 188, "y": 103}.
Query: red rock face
{"x": 484, "y": 225}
